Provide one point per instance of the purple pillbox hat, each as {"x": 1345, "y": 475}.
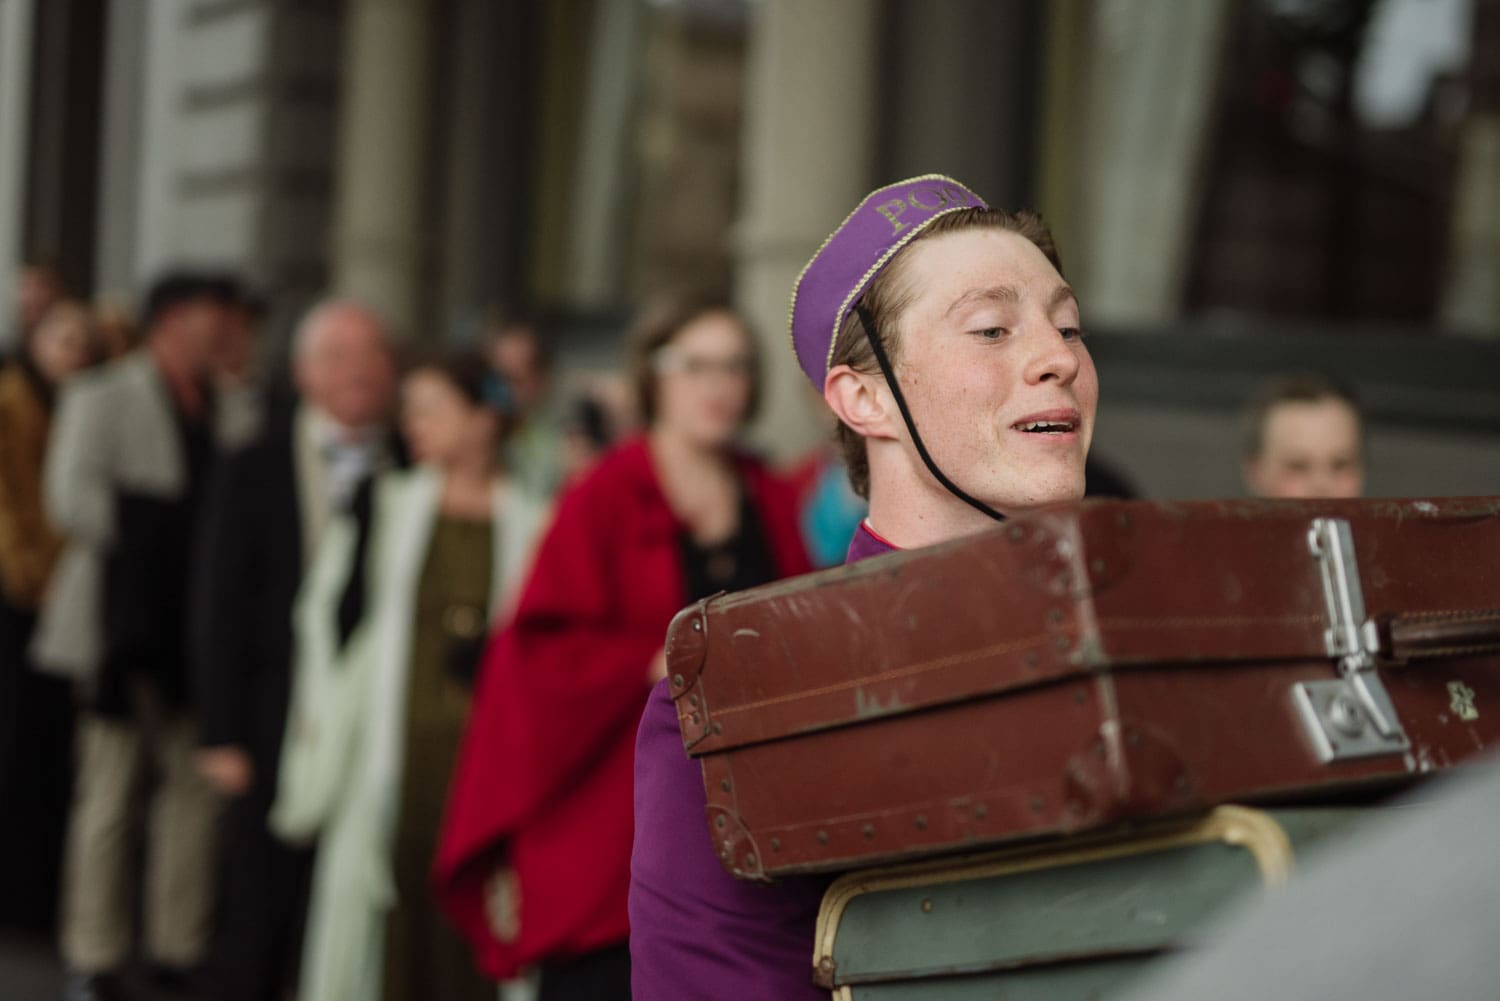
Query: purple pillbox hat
{"x": 858, "y": 250}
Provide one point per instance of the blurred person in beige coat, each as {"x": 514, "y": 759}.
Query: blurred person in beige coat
{"x": 130, "y": 453}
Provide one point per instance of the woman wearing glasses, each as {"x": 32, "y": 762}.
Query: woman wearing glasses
{"x": 534, "y": 860}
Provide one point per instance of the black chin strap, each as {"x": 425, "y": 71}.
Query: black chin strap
{"x": 890, "y": 378}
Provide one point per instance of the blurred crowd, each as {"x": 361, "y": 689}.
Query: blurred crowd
{"x": 283, "y": 712}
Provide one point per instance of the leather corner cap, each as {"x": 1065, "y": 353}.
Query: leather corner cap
{"x": 686, "y": 652}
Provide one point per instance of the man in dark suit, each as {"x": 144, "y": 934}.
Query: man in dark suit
{"x": 266, "y": 510}
{"x": 127, "y": 462}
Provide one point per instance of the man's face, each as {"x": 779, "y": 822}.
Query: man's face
{"x": 194, "y": 330}
{"x": 346, "y": 369}
{"x": 994, "y": 368}
{"x": 1308, "y": 450}
{"x": 234, "y": 357}
{"x": 516, "y": 356}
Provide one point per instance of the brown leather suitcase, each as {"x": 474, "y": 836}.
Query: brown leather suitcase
{"x": 1088, "y": 665}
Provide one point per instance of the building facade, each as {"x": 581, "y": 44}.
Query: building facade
{"x": 1208, "y": 168}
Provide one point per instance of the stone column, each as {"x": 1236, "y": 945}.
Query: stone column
{"x": 809, "y": 147}
{"x": 483, "y": 162}
{"x": 16, "y": 37}
{"x": 934, "y": 117}
{"x": 1063, "y": 103}
{"x": 381, "y": 237}
{"x": 1152, "y": 73}
{"x": 600, "y": 207}
{"x": 1471, "y": 297}
{"x": 118, "y": 220}
{"x": 158, "y": 228}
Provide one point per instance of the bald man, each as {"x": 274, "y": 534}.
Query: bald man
{"x": 267, "y": 509}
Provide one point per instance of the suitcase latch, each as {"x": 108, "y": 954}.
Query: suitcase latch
{"x": 1352, "y": 717}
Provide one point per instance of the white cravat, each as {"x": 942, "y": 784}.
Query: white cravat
{"x": 349, "y": 455}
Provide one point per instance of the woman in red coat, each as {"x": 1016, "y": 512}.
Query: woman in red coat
{"x": 534, "y": 860}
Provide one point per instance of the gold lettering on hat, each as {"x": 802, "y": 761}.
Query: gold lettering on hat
{"x": 891, "y": 210}
{"x": 917, "y": 204}
{"x": 958, "y": 196}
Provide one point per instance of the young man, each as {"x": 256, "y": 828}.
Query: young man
{"x": 947, "y": 343}
{"x": 1305, "y": 438}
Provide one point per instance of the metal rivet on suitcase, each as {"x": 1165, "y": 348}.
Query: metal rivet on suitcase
{"x": 749, "y": 861}
{"x": 869, "y": 831}
{"x": 719, "y": 821}
{"x": 921, "y": 822}
{"x": 677, "y": 681}
{"x": 1345, "y": 714}
{"x": 822, "y": 837}
{"x": 724, "y": 784}
{"x": 697, "y": 625}
{"x": 775, "y": 844}
{"x": 1032, "y": 659}
{"x": 1017, "y": 533}
{"x": 1081, "y": 696}
{"x": 1054, "y": 615}
{"x": 718, "y": 728}
{"x": 1038, "y": 804}
{"x": 981, "y": 811}
{"x": 1062, "y": 642}
{"x": 926, "y": 905}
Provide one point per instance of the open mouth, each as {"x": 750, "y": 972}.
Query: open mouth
{"x": 1045, "y": 427}
{"x": 1063, "y": 422}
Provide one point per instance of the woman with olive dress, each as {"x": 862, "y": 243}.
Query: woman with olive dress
{"x": 387, "y": 646}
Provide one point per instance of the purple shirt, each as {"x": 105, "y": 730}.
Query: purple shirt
{"x": 695, "y": 931}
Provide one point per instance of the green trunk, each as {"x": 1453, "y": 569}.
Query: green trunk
{"x": 1061, "y": 922}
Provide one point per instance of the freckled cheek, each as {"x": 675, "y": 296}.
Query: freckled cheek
{"x": 1087, "y": 386}
{"x": 975, "y": 409}
{"x": 957, "y": 394}
{"x": 959, "y": 372}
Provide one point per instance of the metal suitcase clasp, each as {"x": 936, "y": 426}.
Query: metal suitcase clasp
{"x": 1353, "y": 716}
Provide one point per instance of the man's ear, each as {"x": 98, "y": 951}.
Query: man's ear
{"x": 862, "y": 402}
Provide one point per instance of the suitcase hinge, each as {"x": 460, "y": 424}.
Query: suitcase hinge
{"x": 1352, "y": 717}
